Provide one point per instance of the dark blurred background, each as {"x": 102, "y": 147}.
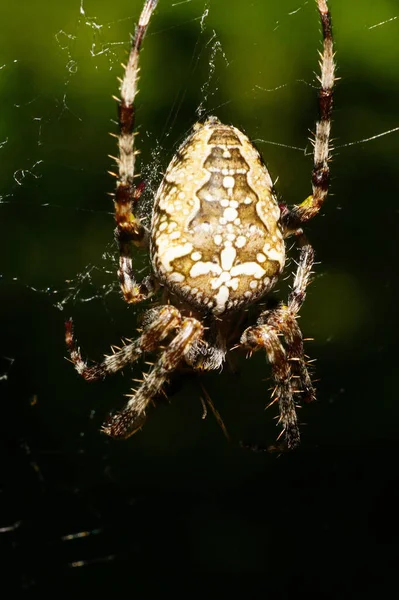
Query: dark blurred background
{"x": 178, "y": 499}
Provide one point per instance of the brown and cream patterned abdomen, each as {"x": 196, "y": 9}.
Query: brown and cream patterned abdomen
{"x": 215, "y": 236}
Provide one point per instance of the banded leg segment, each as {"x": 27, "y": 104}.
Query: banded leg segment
{"x": 160, "y": 322}
{"x": 131, "y": 418}
{"x": 129, "y": 230}
{"x": 288, "y": 362}
{"x": 321, "y": 144}
{"x": 284, "y": 320}
{"x": 291, "y": 330}
{"x": 265, "y": 336}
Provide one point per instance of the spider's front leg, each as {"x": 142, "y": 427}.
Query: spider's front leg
{"x": 266, "y": 337}
{"x": 129, "y": 230}
{"x": 159, "y": 322}
{"x": 288, "y": 363}
{"x": 284, "y": 319}
{"x": 130, "y": 419}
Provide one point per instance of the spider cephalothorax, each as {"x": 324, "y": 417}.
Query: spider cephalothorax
{"x": 217, "y": 246}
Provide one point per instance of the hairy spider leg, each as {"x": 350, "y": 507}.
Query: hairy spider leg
{"x": 288, "y": 363}
{"x": 284, "y": 319}
{"x": 129, "y": 230}
{"x": 300, "y": 213}
{"x": 130, "y": 419}
{"x": 266, "y": 337}
{"x": 293, "y": 336}
{"x": 159, "y": 323}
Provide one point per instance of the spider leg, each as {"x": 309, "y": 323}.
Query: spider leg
{"x": 266, "y": 337}
{"x": 300, "y": 213}
{"x": 129, "y": 230}
{"x": 159, "y": 323}
{"x": 130, "y": 419}
{"x": 284, "y": 320}
{"x": 288, "y": 364}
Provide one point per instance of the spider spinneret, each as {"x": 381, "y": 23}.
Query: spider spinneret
{"x": 217, "y": 246}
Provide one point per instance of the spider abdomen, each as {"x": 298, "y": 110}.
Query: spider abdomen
{"x": 216, "y": 241}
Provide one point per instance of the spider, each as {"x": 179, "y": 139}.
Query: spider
{"x": 217, "y": 246}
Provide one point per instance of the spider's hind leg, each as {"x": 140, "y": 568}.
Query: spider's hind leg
{"x": 292, "y": 219}
{"x": 129, "y": 230}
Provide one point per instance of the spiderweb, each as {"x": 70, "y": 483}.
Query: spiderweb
{"x": 72, "y": 500}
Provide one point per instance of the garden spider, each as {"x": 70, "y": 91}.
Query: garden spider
{"x": 217, "y": 246}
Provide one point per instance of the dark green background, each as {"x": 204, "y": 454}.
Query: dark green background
{"x": 177, "y": 498}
